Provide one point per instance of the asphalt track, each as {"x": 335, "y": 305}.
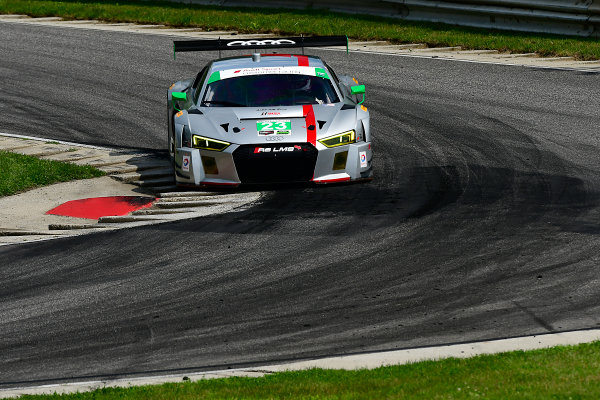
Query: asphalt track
{"x": 483, "y": 221}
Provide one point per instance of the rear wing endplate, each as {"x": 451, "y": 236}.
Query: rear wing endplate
{"x": 259, "y": 43}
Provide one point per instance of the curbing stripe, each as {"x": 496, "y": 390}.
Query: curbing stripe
{"x": 124, "y": 151}
{"x": 349, "y": 362}
{"x": 89, "y": 146}
{"x": 19, "y": 232}
{"x": 186, "y": 194}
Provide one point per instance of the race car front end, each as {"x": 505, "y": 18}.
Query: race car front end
{"x": 212, "y": 158}
{"x": 265, "y": 119}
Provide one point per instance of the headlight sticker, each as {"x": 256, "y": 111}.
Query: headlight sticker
{"x": 203, "y": 143}
{"x": 339, "y": 140}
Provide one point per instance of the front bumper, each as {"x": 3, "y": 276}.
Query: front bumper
{"x": 266, "y": 163}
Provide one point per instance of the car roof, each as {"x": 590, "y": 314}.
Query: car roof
{"x": 267, "y": 60}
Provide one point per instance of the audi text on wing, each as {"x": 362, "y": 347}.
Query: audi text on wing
{"x": 266, "y": 42}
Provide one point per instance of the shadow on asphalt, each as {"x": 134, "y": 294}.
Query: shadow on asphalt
{"x": 422, "y": 192}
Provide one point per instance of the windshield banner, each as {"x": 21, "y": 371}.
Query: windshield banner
{"x": 233, "y": 73}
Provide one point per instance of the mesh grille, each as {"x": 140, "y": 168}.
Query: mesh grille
{"x": 289, "y": 162}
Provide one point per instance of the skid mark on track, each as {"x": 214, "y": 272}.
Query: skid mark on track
{"x": 536, "y": 318}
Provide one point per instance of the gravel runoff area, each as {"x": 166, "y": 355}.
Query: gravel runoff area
{"x": 23, "y": 216}
{"x": 414, "y": 50}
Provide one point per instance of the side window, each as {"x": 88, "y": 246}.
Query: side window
{"x": 340, "y": 85}
{"x": 198, "y": 82}
{"x": 332, "y": 72}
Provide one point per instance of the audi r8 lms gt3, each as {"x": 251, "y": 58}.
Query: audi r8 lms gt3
{"x": 268, "y": 118}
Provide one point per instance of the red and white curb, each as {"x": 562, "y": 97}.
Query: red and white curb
{"x": 347, "y": 362}
{"x": 140, "y": 177}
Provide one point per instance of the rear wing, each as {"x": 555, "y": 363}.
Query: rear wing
{"x": 259, "y": 43}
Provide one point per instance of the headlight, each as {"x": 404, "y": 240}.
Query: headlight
{"x": 339, "y": 140}
{"x": 203, "y": 143}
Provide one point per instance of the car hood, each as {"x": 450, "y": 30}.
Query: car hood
{"x": 239, "y": 124}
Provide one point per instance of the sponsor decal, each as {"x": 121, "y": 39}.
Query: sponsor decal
{"x": 214, "y": 77}
{"x": 309, "y": 118}
{"x": 282, "y": 149}
{"x": 274, "y": 138}
{"x": 363, "y": 159}
{"x": 185, "y": 163}
{"x": 302, "y": 61}
{"x": 275, "y": 127}
{"x": 179, "y": 114}
{"x": 299, "y": 70}
{"x": 265, "y": 42}
{"x": 321, "y": 73}
{"x": 290, "y": 112}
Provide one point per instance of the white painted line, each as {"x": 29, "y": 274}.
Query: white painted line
{"x": 375, "y": 360}
{"x": 45, "y": 239}
{"x": 349, "y": 362}
{"x": 89, "y": 146}
{"x": 125, "y": 151}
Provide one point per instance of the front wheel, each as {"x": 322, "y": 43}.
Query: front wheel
{"x": 171, "y": 136}
{"x": 171, "y": 147}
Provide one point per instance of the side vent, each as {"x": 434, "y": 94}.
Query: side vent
{"x": 321, "y": 124}
{"x": 225, "y": 127}
{"x": 195, "y": 111}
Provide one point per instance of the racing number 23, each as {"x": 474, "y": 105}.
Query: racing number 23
{"x": 273, "y": 125}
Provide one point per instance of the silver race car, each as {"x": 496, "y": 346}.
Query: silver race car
{"x": 268, "y": 118}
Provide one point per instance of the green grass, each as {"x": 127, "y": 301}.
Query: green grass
{"x": 556, "y": 373}
{"x": 19, "y": 172}
{"x": 294, "y": 22}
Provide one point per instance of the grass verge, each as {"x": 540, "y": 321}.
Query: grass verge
{"x": 310, "y": 22}
{"x": 19, "y": 172}
{"x": 564, "y": 372}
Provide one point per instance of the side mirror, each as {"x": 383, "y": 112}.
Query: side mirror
{"x": 359, "y": 89}
{"x": 178, "y": 96}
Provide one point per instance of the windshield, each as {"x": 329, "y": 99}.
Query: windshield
{"x": 269, "y": 90}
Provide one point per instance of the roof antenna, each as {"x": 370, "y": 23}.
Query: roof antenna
{"x": 219, "y": 46}
{"x": 256, "y": 57}
{"x": 302, "y": 36}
